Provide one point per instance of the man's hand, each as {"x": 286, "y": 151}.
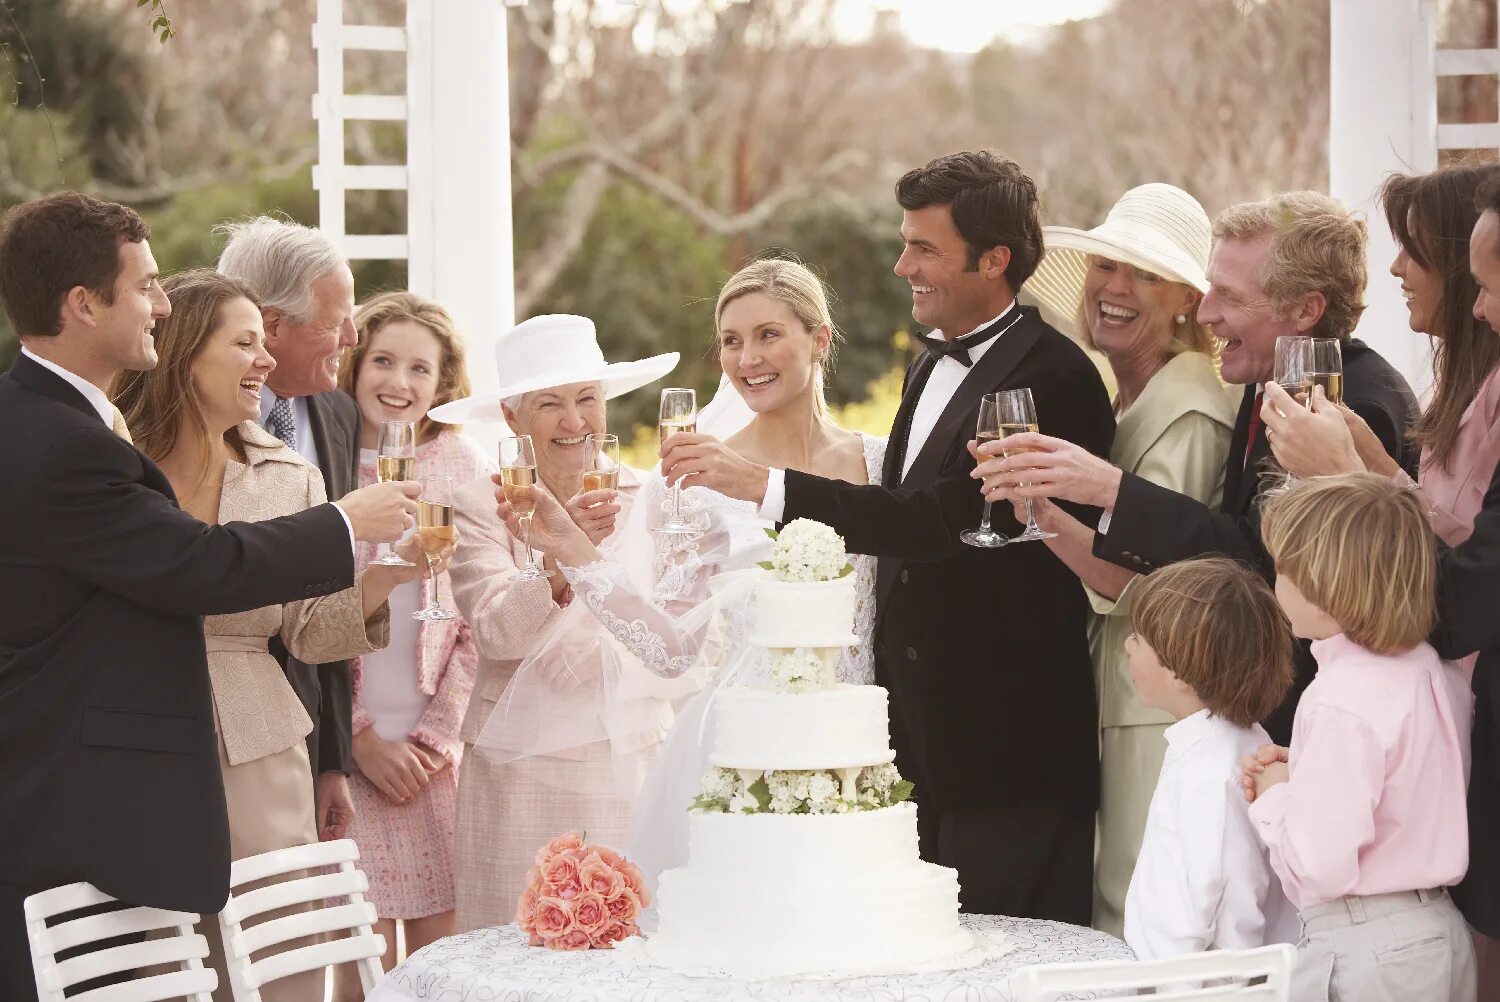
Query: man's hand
{"x": 381, "y": 513}
{"x": 334, "y": 806}
{"x": 1311, "y": 441}
{"x": 1254, "y": 766}
{"x": 595, "y": 512}
{"x": 1044, "y": 467}
{"x": 395, "y": 768}
{"x": 703, "y": 461}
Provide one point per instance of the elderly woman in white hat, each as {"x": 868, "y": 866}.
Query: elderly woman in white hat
{"x": 1132, "y": 286}
{"x": 539, "y": 759}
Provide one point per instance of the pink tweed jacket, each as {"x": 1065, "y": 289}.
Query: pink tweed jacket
{"x": 446, "y": 658}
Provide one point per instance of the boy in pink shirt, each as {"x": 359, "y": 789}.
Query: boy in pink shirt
{"x": 1365, "y": 818}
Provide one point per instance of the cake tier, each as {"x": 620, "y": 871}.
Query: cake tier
{"x": 769, "y": 895}
{"x": 844, "y": 727}
{"x": 804, "y": 614}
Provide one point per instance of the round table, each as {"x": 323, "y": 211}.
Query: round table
{"x": 496, "y": 965}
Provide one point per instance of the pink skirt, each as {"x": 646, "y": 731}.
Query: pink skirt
{"x": 407, "y": 849}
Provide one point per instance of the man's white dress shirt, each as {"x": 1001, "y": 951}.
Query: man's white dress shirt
{"x": 95, "y": 396}
{"x": 1203, "y": 880}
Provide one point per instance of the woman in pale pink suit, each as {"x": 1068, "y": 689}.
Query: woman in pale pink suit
{"x": 410, "y": 698}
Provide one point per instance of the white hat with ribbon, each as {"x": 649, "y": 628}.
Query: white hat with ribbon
{"x": 552, "y": 350}
{"x": 1156, "y": 227}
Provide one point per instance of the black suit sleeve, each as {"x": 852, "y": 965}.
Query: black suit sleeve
{"x": 1469, "y": 585}
{"x": 336, "y": 712}
{"x": 101, "y": 522}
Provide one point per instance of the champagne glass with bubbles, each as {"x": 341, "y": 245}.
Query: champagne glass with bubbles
{"x": 395, "y": 460}
{"x": 434, "y": 531}
{"x": 1018, "y": 415}
{"x": 518, "y": 480}
{"x": 987, "y": 430}
{"x": 679, "y": 412}
{"x": 601, "y": 463}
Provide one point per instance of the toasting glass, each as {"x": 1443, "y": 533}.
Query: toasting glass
{"x": 518, "y": 479}
{"x": 988, "y": 430}
{"x": 679, "y": 412}
{"x": 434, "y": 531}
{"x": 395, "y": 460}
{"x": 1323, "y": 365}
{"x": 1018, "y": 415}
{"x": 601, "y": 463}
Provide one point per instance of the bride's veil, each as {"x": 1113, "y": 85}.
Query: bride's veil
{"x": 726, "y": 414}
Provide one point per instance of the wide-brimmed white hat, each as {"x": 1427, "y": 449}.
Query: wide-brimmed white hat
{"x": 552, "y": 350}
{"x": 1157, "y": 227}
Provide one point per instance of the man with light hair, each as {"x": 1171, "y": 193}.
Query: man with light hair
{"x": 302, "y": 282}
{"x": 1289, "y": 265}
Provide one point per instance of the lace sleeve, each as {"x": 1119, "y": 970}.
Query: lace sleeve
{"x": 642, "y": 624}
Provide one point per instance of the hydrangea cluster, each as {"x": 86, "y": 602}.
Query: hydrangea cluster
{"x": 807, "y": 551}
{"x": 798, "y": 670}
{"x": 800, "y": 791}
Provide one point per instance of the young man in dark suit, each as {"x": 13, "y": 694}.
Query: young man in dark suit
{"x": 109, "y": 770}
{"x": 305, "y": 290}
{"x": 1293, "y": 264}
{"x": 1002, "y": 749}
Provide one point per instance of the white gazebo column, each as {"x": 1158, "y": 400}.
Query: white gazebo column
{"x": 458, "y": 153}
{"x": 1382, "y": 118}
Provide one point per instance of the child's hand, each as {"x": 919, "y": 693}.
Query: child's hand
{"x": 1275, "y": 772}
{"x": 1254, "y": 765}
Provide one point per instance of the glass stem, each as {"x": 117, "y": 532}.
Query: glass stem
{"x": 677, "y": 503}
{"x": 526, "y": 542}
{"x": 1031, "y": 518}
{"x": 432, "y": 600}
{"x": 984, "y": 523}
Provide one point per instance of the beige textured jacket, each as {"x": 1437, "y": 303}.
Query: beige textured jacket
{"x": 258, "y": 712}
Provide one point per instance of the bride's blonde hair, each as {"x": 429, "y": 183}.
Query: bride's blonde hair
{"x": 793, "y": 284}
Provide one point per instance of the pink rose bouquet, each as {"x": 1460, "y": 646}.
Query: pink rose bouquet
{"x": 581, "y": 897}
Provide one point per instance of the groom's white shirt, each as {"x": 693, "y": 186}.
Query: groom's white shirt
{"x": 944, "y": 381}
{"x": 91, "y": 393}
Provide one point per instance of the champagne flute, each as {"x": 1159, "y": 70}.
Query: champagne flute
{"x": 395, "y": 460}
{"x": 601, "y": 462}
{"x": 1018, "y": 415}
{"x": 1323, "y": 361}
{"x": 1291, "y": 364}
{"x": 988, "y": 430}
{"x": 518, "y": 479}
{"x": 679, "y": 412}
{"x": 434, "y": 531}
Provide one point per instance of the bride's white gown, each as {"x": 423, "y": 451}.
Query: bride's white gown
{"x": 676, "y": 630}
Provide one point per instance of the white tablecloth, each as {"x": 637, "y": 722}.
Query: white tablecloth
{"x": 496, "y": 965}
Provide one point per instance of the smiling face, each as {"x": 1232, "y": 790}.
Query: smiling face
{"x": 122, "y": 330}
{"x": 946, "y": 294}
{"x": 1239, "y": 310}
{"x": 398, "y": 376}
{"x": 767, "y": 352}
{"x": 1130, "y": 311}
{"x": 231, "y": 367}
{"x": 1422, "y": 289}
{"x": 558, "y": 419}
{"x": 307, "y": 354}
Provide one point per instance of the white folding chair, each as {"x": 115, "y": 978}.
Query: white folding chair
{"x": 1170, "y": 979}
{"x": 362, "y": 946}
{"x": 183, "y": 947}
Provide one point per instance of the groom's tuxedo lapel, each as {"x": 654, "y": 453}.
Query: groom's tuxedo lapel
{"x": 895, "y": 456}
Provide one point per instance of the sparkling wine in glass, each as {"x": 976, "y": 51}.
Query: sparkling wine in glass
{"x": 1323, "y": 365}
{"x": 434, "y": 531}
{"x": 518, "y": 479}
{"x": 679, "y": 412}
{"x": 395, "y": 460}
{"x": 1018, "y": 415}
{"x": 987, "y": 430}
{"x": 601, "y": 463}
{"x": 1291, "y": 364}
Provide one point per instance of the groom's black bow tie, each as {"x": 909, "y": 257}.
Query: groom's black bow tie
{"x": 959, "y": 347}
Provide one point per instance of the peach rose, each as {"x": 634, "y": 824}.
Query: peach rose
{"x": 561, "y": 877}
{"x": 635, "y": 881}
{"x": 572, "y": 840}
{"x": 575, "y": 939}
{"x": 526, "y": 909}
{"x": 553, "y": 917}
{"x": 612, "y": 934}
{"x": 625, "y": 907}
{"x": 598, "y": 876}
{"x": 609, "y": 856}
{"x": 535, "y": 941}
{"x": 590, "y": 913}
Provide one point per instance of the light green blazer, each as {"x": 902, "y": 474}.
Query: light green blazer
{"x": 1176, "y": 434}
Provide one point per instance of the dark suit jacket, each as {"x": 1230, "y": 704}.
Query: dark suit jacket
{"x": 109, "y": 770}
{"x": 985, "y": 652}
{"x": 1469, "y": 621}
{"x": 1152, "y": 526}
{"x": 327, "y": 690}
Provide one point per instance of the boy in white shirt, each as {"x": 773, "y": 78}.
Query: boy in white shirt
{"x": 1212, "y": 648}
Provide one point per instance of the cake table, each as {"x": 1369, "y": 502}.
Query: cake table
{"x": 496, "y": 965}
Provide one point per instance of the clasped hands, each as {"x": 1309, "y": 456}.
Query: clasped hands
{"x": 1263, "y": 769}
{"x": 398, "y": 769}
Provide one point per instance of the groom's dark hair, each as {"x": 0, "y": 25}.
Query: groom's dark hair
{"x": 993, "y": 203}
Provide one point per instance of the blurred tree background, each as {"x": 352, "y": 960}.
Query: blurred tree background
{"x": 658, "y": 147}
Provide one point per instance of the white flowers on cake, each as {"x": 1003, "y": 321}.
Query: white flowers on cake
{"x": 799, "y": 791}
{"x": 807, "y": 551}
{"x": 797, "y": 670}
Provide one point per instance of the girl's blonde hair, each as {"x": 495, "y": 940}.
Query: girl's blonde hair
{"x": 1359, "y": 547}
{"x": 453, "y": 374}
{"x": 793, "y": 284}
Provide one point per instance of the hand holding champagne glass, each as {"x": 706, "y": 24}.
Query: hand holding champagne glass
{"x": 395, "y": 460}
{"x": 1323, "y": 365}
{"x": 1291, "y": 364}
{"x": 518, "y": 479}
{"x": 679, "y": 413}
{"x": 435, "y": 533}
{"x": 601, "y": 463}
{"x": 1015, "y": 414}
{"x": 987, "y": 430}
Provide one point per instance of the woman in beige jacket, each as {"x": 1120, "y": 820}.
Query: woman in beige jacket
{"x": 195, "y": 415}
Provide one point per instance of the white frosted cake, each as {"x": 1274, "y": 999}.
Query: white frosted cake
{"x": 802, "y": 854}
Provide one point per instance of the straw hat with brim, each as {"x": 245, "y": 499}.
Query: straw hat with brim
{"x": 1157, "y": 227}
{"x": 547, "y": 351}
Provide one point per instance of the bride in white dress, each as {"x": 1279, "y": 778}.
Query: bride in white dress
{"x": 775, "y": 337}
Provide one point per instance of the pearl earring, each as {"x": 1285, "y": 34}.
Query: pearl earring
{"x": 1182, "y": 318}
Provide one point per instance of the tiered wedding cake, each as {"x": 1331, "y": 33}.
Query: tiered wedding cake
{"x": 802, "y": 851}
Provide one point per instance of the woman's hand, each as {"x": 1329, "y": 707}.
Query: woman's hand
{"x": 553, "y": 530}
{"x": 432, "y": 759}
{"x": 379, "y": 580}
{"x": 396, "y": 768}
{"x": 595, "y": 512}
{"x": 1371, "y": 450}
{"x": 1040, "y": 466}
{"x": 704, "y": 461}
{"x": 1311, "y": 441}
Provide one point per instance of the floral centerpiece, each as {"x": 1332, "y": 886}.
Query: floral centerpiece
{"x": 802, "y": 791}
{"x": 807, "y": 551}
{"x": 580, "y": 896}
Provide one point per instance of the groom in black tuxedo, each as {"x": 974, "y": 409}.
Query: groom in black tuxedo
{"x": 1003, "y": 750}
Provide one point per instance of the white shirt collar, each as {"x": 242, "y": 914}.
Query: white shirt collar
{"x": 91, "y": 393}
{"x": 977, "y": 352}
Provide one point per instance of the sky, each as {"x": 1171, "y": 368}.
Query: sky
{"x": 962, "y": 25}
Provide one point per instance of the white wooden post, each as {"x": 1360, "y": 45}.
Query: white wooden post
{"x": 1382, "y": 118}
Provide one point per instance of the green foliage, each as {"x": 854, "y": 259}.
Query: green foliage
{"x": 161, "y": 24}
